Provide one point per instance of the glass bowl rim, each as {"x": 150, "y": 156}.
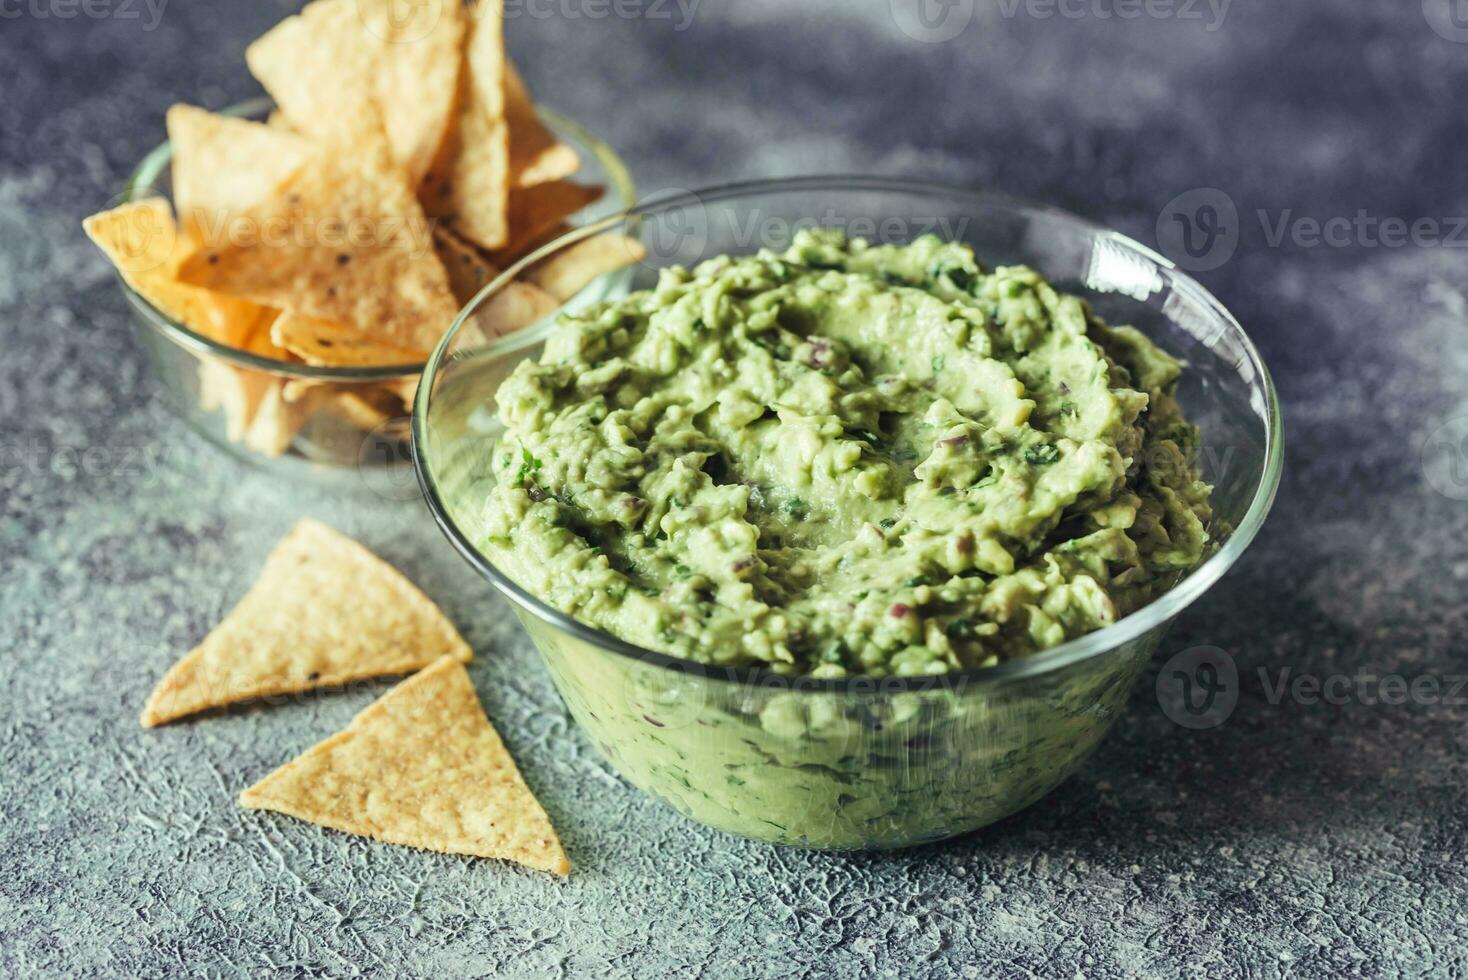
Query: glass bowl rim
{"x": 140, "y": 185}
{"x": 1154, "y": 614}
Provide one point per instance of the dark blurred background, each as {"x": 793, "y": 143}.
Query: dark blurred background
{"x": 1296, "y": 838}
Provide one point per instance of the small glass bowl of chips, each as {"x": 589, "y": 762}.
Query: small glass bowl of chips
{"x": 271, "y": 408}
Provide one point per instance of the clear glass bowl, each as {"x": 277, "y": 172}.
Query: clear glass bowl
{"x": 863, "y": 763}
{"x": 346, "y": 416}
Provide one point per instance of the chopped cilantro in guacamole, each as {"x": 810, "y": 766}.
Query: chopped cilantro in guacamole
{"x": 846, "y": 459}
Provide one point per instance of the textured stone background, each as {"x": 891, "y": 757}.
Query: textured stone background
{"x": 1295, "y": 839}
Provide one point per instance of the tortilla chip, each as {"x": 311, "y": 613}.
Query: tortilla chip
{"x": 139, "y": 238}
{"x": 536, "y": 156}
{"x": 277, "y": 120}
{"x": 406, "y": 389}
{"x": 144, "y": 244}
{"x": 325, "y": 344}
{"x": 515, "y": 307}
{"x": 298, "y": 389}
{"x": 366, "y": 409}
{"x": 505, "y": 258}
{"x": 211, "y": 395}
{"x": 262, "y": 344}
{"x": 222, "y": 166}
{"x": 240, "y": 391}
{"x": 469, "y": 185}
{"x": 422, "y": 767}
{"x": 324, "y": 611}
{"x": 322, "y": 65}
{"x": 537, "y": 211}
{"x": 278, "y": 419}
{"x": 566, "y": 273}
{"x": 237, "y": 391}
{"x": 467, "y": 270}
{"x": 472, "y": 194}
{"x": 343, "y": 241}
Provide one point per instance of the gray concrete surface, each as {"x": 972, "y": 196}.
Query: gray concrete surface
{"x": 1295, "y": 839}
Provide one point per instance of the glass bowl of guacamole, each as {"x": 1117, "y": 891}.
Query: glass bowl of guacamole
{"x": 845, "y": 512}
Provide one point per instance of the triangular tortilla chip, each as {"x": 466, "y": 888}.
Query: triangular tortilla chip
{"x": 570, "y": 270}
{"x": 222, "y": 165}
{"x": 467, "y": 270}
{"x": 406, "y": 389}
{"x": 469, "y": 185}
{"x": 422, "y": 767}
{"x": 343, "y": 241}
{"x": 144, "y": 244}
{"x": 238, "y": 392}
{"x": 365, "y": 408}
{"x": 323, "y": 64}
{"x": 323, "y": 343}
{"x": 536, "y": 156}
{"x": 504, "y": 258}
{"x": 514, "y": 307}
{"x": 537, "y": 211}
{"x": 299, "y": 389}
{"x": 279, "y": 419}
{"x": 517, "y": 305}
{"x": 324, "y": 611}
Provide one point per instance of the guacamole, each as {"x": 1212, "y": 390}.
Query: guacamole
{"x": 845, "y": 459}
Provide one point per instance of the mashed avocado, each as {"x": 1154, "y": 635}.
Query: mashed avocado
{"x": 846, "y": 459}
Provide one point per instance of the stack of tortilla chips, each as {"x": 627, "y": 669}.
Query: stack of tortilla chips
{"x": 404, "y": 167}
